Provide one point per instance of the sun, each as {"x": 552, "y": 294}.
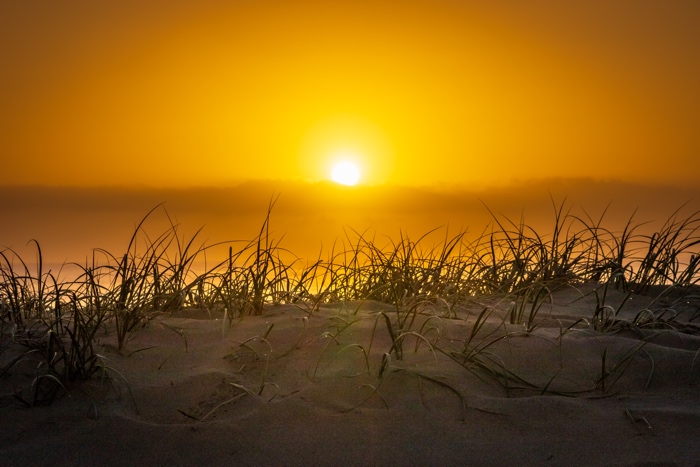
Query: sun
{"x": 345, "y": 173}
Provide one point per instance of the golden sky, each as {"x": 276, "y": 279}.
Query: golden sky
{"x": 178, "y": 93}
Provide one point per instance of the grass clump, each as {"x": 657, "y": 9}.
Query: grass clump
{"x": 57, "y": 319}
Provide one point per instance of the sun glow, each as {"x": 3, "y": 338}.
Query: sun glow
{"x": 345, "y": 173}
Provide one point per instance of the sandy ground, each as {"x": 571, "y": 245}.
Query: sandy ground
{"x": 298, "y": 388}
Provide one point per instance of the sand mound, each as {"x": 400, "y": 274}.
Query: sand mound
{"x": 292, "y": 387}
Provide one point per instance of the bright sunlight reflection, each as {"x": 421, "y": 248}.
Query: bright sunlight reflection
{"x": 345, "y": 173}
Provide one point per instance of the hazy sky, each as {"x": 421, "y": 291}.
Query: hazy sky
{"x": 214, "y": 92}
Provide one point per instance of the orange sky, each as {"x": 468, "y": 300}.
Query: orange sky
{"x": 181, "y": 93}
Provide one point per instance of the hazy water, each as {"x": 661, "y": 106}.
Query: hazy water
{"x": 308, "y": 220}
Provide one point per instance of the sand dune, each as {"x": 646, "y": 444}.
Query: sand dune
{"x": 294, "y": 387}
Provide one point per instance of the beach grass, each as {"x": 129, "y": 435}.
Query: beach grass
{"x": 510, "y": 266}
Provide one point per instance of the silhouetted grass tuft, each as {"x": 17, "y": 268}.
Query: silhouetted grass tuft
{"x": 57, "y": 319}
